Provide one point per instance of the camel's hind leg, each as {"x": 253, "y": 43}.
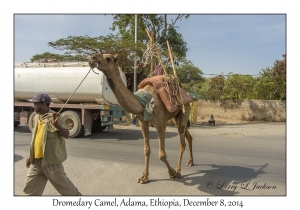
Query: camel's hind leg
{"x": 189, "y": 139}
{"x": 182, "y": 148}
{"x": 145, "y": 131}
{"x": 181, "y": 124}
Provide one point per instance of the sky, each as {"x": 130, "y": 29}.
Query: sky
{"x": 217, "y": 43}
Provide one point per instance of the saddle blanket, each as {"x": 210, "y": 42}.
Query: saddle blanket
{"x": 157, "y": 83}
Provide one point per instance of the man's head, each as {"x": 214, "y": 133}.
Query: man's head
{"x": 41, "y": 102}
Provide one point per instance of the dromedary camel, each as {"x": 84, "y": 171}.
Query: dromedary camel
{"x": 107, "y": 64}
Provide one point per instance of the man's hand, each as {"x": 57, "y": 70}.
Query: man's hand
{"x": 28, "y": 162}
{"x": 55, "y": 118}
{"x": 61, "y": 131}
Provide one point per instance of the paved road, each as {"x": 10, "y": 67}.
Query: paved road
{"x": 230, "y": 159}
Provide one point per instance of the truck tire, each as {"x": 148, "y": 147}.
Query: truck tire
{"x": 73, "y": 121}
{"x": 30, "y": 121}
{"x": 97, "y": 127}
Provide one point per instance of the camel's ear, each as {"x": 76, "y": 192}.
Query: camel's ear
{"x": 109, "y": 58}
{"x": 116, "y": 57}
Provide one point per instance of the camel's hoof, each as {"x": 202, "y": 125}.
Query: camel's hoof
{"x": 176, "y": 175}
{"x": 143, "y": 180}
{"x": 190, "y": 163}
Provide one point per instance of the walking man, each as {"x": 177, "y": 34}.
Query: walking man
{"x": 47, "y": 151}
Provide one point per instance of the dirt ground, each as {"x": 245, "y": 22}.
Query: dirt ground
{"x": 222, "y": 122}
{"x": 238, "y": 129}
{"x": 231, "y": 128}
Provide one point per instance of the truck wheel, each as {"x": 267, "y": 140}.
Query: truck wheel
{"x": 16, "y": 123}
{"x": 30, "y": 121}
{"x": 97, "y": 127}
{"x": 73, "y": 121}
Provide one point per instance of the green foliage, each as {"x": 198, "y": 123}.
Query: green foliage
{"x": 85, "y": 45}
{"x": 269, "y": 85}
{"x": 203, "y": 89}
{"x": 126, "y": 26}
{"x": 263, "y": 87}
{"x": 158, "y": 28}
{"x": 79, "y": 48}
{"x": 177, "y": 43}
{"x": 238, "y": 86}
{"x": 216, "y": 86}
{"x": 271, "y": 82}
{"x": 279, "y": 73}
{"x": 189, "y": 75}
{"x": 46, "y": 56}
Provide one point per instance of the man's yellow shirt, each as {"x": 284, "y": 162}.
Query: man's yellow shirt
{"x": 38, "y": 142}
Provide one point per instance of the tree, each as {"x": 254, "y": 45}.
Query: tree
{"x": 46, "y": 56}
{"x": 271, "y": 82}
{"x": 216, "y": 85}
{"x": 279, "y": 75}
{"x": 158, "y": 28}
{"x": 203, "y": 88}
{"x": 82, "y": 47}
{"x": 189, "y": 75}
{"x": 238, "y": 86}
{"x": 79, "y": 48}
{"x": 263, "y": 87}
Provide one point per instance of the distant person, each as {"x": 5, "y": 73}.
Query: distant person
{"x": 47, "y": 151}
{"x": 211, "y": 120}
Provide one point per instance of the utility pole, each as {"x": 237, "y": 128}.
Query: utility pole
{"x": 135, "y": 71}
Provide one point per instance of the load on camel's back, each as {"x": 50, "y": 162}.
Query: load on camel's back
{"x": 169, "y": 100}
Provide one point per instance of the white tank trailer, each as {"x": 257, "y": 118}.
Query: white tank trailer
{"x": 92, "y": 107}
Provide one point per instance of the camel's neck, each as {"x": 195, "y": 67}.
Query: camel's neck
{"x": 124, "y": 97}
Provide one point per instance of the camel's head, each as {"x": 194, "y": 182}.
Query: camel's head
{"x": 103, "y": 62}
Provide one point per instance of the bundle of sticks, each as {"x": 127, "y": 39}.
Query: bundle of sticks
{"x": 171, "y": 82}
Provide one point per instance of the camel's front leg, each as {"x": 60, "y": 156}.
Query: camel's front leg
{"x": 145, "y": 131}
{"x": 161, "y": 130}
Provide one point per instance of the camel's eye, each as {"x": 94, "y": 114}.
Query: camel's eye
{"x": 95, "y": 57}
{"x": 108, "y": 60}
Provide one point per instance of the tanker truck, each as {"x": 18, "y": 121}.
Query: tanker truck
{"x": 92, "y": 108}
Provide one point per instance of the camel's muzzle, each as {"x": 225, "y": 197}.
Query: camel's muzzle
{"x": 93, "y": 63}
